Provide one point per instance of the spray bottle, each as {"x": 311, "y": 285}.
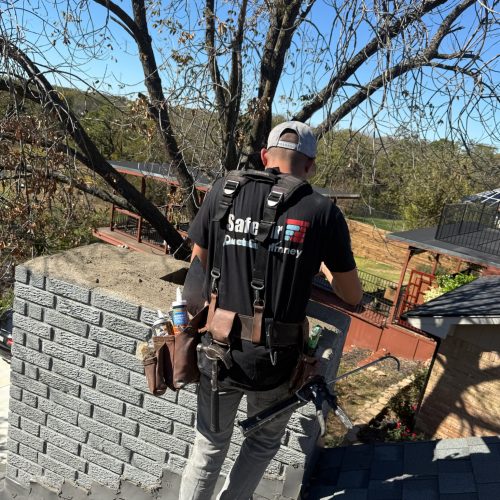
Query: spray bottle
{"x": 179, "y": 313}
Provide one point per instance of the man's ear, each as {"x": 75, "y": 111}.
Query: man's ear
{"x": 310, "y": 167}
{"x": 263, "y": 156}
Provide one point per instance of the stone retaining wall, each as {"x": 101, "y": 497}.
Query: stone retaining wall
{"x": 81, "y": 418}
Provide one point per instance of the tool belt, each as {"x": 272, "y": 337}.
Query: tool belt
{"x": 174, "y": 362}
{"x": 226, "y": 326}
{"x": 222, "y": 347}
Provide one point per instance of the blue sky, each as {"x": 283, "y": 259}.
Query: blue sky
{"x": 119, "y": 71}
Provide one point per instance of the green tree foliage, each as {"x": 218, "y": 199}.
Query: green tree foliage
{"x": 405, "y": 175}
{"x": 345, "y": 162}
{"x": 446, "y": 283}
{"x": 214, "y": 73}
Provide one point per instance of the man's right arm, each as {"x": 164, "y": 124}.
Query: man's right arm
{"x": 199, "y": 227}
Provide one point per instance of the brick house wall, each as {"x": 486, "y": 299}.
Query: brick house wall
{"x": 462, "y": 397}
{"x": 81, "y": 418}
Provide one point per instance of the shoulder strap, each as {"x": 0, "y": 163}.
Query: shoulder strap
{"x": 281, "y": 192}
{"x": 232, "y": 184}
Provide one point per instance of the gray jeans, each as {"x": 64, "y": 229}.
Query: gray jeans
{"x": 210, "y": 449}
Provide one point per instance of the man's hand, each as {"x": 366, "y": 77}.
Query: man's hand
{"x": 345, "y": 285}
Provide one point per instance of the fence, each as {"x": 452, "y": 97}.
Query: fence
{"x": 378, "y": 297}
{"x": 474, "y": 226}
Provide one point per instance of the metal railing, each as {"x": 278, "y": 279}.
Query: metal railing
{"x": 471, "y": 225}
{"x": 378, "y": 293}
{"x": 378, "y": 297}
{"x": 135, "y": 226}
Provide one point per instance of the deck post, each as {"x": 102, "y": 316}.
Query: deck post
{"x": 395, "y": 306}
{"x": 435, "y": 264}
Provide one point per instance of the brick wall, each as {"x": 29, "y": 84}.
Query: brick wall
{"x": 81, "y": 418}
{"x": 463, "y": 394}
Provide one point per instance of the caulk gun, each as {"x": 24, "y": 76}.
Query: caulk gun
{"x": 315, "y": 390}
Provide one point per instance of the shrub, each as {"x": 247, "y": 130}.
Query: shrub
{"x": 6, "y": 300}
{"x": 446, "y": 283}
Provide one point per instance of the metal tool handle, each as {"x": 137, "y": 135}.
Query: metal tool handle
{"x": 251, "y": 424}
{"x": 343, "y": 417}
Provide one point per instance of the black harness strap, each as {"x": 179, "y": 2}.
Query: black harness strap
{"x": 283, "y": 187}
{"x": 280, "y": 193}
{"x": 234, "y": 180}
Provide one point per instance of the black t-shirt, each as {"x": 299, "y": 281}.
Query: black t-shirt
{"x": 310, "y": 229}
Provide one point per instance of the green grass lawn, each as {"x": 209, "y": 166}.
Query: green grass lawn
{"x": 379, "y": 269}
{"x": 385, "y": 224}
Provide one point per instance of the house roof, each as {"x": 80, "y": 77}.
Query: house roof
{"x": 424, "y": 238}
{"x": 166, "y": 172}
{"x": 476, "y": 303}
{"x": 431, "y": 470}
{"x": 487, "y": 197}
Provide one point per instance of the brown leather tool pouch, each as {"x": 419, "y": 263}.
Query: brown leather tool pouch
{"x": 153, "y": 377}
{"x": 307, "y": 367}
{"x": 174, "y": 364}
{"x": 222, "y": 324}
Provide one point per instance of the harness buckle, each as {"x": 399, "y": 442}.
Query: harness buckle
{"x": 257, "y": 287}
{"x": 215, "y": 274}
{"x": 273, "y": 354}
{"x": 275, "y": 197}
{"x": 230, "y": 187}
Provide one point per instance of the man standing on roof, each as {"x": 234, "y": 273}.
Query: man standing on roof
{"x": 308, "y": 230}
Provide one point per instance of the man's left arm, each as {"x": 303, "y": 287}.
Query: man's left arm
{"x": 201, "y": 253}
{"x": 339, "y": 266}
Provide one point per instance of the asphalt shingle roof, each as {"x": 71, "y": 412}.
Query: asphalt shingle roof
{"x": 450, "y": 469}
{"x": 479, "y": 298}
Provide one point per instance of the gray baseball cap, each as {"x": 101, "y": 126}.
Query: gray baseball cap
{"x": 307, "y": 141}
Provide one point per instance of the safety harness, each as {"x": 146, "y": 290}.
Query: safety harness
{"x": 220, "y": 322}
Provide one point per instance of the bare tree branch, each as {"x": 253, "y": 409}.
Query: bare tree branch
{"x": 391, "y": 74}
{"x": 382, "y": 36}
{"x": 285, "y": 17}
{"x": 52, "y": 101}
{"x": 157, "y": 104}
{"x": 81, "y": 186}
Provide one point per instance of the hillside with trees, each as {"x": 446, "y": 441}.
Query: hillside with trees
{"x": 401, "y": 96}
{"x": 428, "y": 66}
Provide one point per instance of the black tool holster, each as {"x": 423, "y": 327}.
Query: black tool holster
{"x": 216, "y": 353}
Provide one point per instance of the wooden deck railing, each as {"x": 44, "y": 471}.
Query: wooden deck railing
{"x": 134, "y": 226}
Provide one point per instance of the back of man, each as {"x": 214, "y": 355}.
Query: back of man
{"x": 309, "y": 230}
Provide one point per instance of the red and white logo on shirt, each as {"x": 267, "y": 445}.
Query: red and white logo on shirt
{"x": 295, "y": 230}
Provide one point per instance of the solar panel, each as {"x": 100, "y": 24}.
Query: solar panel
{"x": 489, "y": 198}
